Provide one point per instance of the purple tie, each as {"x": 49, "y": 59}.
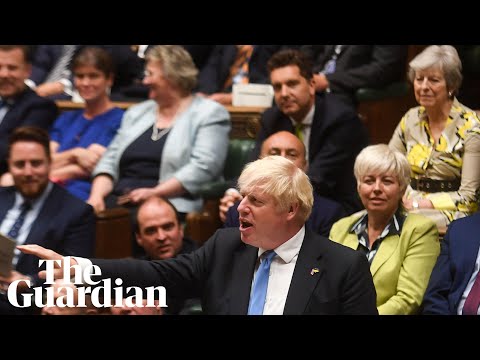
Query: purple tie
{"x": 473, "y": 299}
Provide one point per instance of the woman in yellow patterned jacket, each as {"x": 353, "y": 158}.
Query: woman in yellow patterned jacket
{"x": 441, "y": 139}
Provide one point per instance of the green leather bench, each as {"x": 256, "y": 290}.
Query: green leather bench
{"x": 201, "y": 225}
{"x": 238, "y": 152}
{"x": 396, "y": 89}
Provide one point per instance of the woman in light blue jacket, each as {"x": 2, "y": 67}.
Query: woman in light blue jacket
{"x": 166, "y": 146}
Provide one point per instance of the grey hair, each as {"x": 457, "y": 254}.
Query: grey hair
{"x": 279, "y": 177}
{"x": 382, "y": 159}
{"x": 177, "y": 65}
{"x": 443, "y": 57}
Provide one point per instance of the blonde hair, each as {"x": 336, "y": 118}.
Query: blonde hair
{"x": 177, "y": 65}
{"x": 279, "y": 177}
{"x": 443, "y": 57}
{"x": 381, "y": 159}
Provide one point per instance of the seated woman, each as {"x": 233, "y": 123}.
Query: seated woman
{"x": 79, "y": 138}
{"x": 441, "y": 139}
{"x": 401, "y": 247}
{"x": 167, "y": 146}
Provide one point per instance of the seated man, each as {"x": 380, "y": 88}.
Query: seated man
{"x": 160, "y": 234}
{"x": 325, "y": 212}
{"x": 36, "y": 211}
{"x": 19, "y": 105}
{"x": 330, "y": 130}
{"x": 310, "y": 274}
{"x": 454, "y": 287}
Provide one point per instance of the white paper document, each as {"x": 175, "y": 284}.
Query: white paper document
{"x": 256, "y": 95}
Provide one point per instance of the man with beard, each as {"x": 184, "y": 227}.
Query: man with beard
{"x": 36, "y": 211}
{"x": 160, "y": 234}
{"x": 331, "y": 131}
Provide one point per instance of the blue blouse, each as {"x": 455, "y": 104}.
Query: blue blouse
{"x": 72, "y": 129}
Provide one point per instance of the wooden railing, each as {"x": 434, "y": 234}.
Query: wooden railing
{"x": 245, "y": 120}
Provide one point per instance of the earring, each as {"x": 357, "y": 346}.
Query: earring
{"x": 450, "y": 93}
{"x": 108, "y": 90}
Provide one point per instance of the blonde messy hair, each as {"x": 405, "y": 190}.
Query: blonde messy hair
{"x": 283, "y": 180}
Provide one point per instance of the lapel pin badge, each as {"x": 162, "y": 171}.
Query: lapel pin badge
{"x": 314, "y": 271}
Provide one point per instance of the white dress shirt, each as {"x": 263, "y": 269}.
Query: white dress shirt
{"x": 281, "y": 273}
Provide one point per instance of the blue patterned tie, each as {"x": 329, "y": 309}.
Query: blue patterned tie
{"x": 13, "y": 233}
{"x": 260, "y": 285}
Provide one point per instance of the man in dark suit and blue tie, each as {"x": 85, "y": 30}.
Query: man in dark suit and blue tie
{"x": 456, "y": 272}
{"x": 19, "y": 104}
{"x": 53, "y": 217}
{"x": 309, "y": 274}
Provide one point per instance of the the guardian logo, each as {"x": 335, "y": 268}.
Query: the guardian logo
{"x": 101, "y": 292}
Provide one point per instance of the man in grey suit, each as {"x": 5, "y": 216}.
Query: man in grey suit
{"x": 309, "y": 274}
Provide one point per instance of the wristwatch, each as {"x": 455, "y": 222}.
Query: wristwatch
{"x": 415, "y": 205}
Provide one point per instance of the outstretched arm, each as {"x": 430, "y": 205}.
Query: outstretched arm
{"x": 47, "y": 254}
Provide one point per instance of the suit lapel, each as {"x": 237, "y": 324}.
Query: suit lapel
{"x": 42, "y": 222}
{"x": 244, "y": 261}
{"x": 385, "y": 251}
{"x": 329, "y": 49}
{"x": 468, "y": 255}
{"x": 8, "y": 199}
{"x": 317, "y": 127}
{"x": 351, "y": 241}
{"x": 309, "y": 269}
{"x": 283, "y": 123}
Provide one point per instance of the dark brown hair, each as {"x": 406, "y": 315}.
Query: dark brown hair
{"x": 32, "y": 134}
{"x": 290, "y": 57}
{"x": 97, "y": 57}
{"x": 24, "y": 48}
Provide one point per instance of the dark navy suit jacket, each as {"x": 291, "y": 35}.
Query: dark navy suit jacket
{"x": 221, "y": 273}
{"x": 337, "y": 136}
{"x": 324, "y": 214}
{"x": 44, "y": 59}
{"x": 454, "y": 266}
{"x": 28, "y": 109}
{"x": 65, "y": 224}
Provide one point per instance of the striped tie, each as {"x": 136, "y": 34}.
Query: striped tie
{"x": 17, "y": 225}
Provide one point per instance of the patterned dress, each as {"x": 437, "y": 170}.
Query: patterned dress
{"x": 456, "y": 155}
